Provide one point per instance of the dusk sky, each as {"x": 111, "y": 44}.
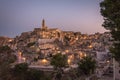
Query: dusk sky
{"x": 17, "y": 16}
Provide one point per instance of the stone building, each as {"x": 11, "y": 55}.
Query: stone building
{"x": 48, "y": 33}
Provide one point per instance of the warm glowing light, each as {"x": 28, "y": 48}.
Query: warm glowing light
{"x": 20, "y": 53}
{"x": 81, "y": 54}
{"x": 19, "y": 57}
{"x": 66, "y": 51}
{"x": 58, "y": 51}
{"x": 44, "y": 61}
{"x": 85, "y": 37}
{"x": 10, "y": 40}
{"x": 24, "y": 59}
{"x": 53, "y": 48}
{"x": 69, "y": 61}
{"x": 71, "y": 57}
{"x": 108, "y": 61}
{"x": 57, "y": 48}
{"x": 37, "y": 49}
{"x": 85, "y": 55}
{"x": 90, "y": 46}
{"x": 76, "y": 38}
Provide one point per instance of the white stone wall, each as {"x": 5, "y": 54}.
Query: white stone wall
{"x": 45, "y": 40}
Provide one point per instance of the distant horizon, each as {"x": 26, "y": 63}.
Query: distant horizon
{"x": 50, "y": 28}
{"x": 67, "y": 15}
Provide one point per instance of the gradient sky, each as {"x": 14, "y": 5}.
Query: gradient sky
{"x": 17, "y": 16}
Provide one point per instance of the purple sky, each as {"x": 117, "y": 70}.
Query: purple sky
{"x": 17, "y": 16}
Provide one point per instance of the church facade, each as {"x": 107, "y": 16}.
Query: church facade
{"x": 47, "y": 33}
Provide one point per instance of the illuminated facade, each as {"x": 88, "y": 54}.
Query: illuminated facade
{"x": 47, "y": 33}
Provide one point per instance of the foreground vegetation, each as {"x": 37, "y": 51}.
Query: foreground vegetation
{"x": 110, "y": 10}
{"x": 59, "y": 61}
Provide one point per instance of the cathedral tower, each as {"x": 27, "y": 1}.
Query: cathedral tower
{"x": 43, "y": 23}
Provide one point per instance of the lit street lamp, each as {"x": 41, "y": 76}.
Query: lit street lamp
{"x": 44, "y": 61}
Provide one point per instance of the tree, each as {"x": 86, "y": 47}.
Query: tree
{"x": 110, "y": 10}
{"x": 6, "y": 58}
{"x": 59, "y": 62}
{"x": 23, "y": 72}
{"x": 19, "y": 72}
{"x": 86, "y": 66}
{"x": 5, "y": 49}
{"x": 34, "y": 74}
{"x": 20, "y": 68}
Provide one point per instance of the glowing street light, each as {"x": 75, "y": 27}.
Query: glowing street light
{"x": 90, "y": 46}
{"x": 19, "y": 57}
{"x": 81, "y": 55}
{"x": 44, "y": 61}
{"x": 69, "y": 61}
{"x": 85, "y": 55}
{"x": 66, "y": 51}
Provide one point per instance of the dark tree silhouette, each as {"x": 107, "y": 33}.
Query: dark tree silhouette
{"x": 59, "y": 62}
{"x": 86, "y": 66}
{"x": 110, "y": 10}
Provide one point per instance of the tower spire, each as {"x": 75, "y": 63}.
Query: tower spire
{"x": 43, "y": 23}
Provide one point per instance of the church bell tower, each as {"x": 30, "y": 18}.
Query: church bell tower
{"x": 43, "y": 23}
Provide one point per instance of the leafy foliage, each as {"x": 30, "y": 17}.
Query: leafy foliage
{"x": 110, "y": 10}
{"x": 20, "y": 68}
{"x": 20, "y": 71}
{"x": 35, "y": 74}
{"x": 86, "y": 66}
{"x": 5, "y": 49}
{"x": 23, "y": 72}
{"x": 59, "y": 60}
{"x": 6, "y": 58}
{"x": 6, "y": 55}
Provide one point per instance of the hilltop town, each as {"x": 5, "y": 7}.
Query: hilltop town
{"x": 38, "y": 46}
